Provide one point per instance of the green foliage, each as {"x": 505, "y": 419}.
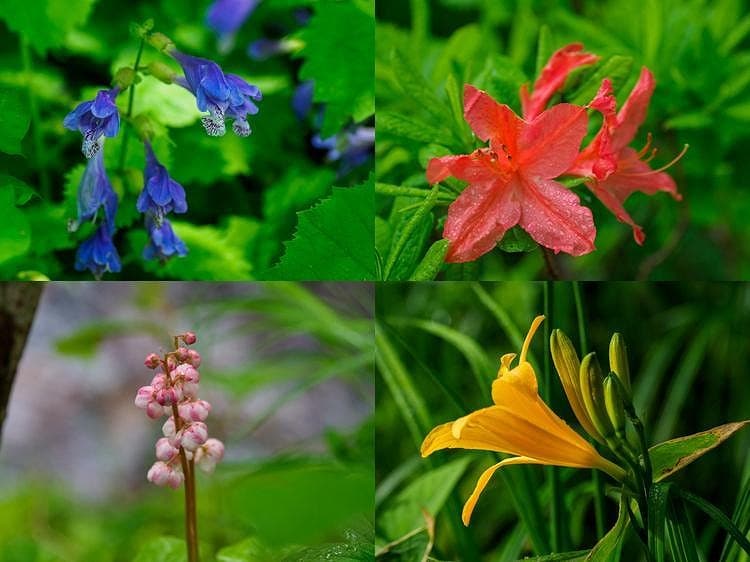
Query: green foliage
{"x": 698, "y": 53}
{"x": 343, "y": 83}
{"x": 325, "y": 246}
{"x": 243, "y": 193}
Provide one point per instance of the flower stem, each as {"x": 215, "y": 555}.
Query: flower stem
{"x": 129, "y": 114}
{"x": 596, "y": 478}
{"x": 36, "y": 132}
{"x": 191, "y": 525}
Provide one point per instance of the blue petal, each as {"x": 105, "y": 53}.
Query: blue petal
{"x": 72, "y": 119}
{"x": 178, "y": 196}
{"x": 214, "y": 83}
{"x": 103, "y": 105}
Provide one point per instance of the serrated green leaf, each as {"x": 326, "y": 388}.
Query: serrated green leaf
{"x": 344, "y": 83}
{"x": 334, "y": 239}
{"x": 672, "y": 456}
{"x": 608, "y": 548}
{"x": 14, "y": 119}
{"x": 433, "y": 260}
{"x": 429, "y": 492}
{"x": 45, "y": 23}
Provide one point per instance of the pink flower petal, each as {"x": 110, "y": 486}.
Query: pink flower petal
{"x": 479, "y": 218}
{"x": 554, "y": 217}
{"x": 552, "y": 78}
{"x": 491, "y": 121}
{"x": 550, "y": 143}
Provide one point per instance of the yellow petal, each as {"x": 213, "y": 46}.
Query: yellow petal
{"x": 485, "y": 478}
{"x": 532, "y": 330}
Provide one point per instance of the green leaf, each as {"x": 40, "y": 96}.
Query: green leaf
{"x": 412, "y": 547}
{"x": 413, "y": 128}
{"x": 658, "y": 498}
{"x": 415, "y": 86}
{"x": 174, "y": 107}
{"x": 404, "y": 512}
{"x": 45, "y": 23}
{"x": 672, "y": 456}
{"x": 344, "y": 83}
{"x": 85, "y": 341}
{"x": 15, "y": 231}
{"x": 683, "y": 544}
{"x": 334, "y": 239}
{"x": 162, "y": 549}
{"x": 576, "y": 556}
{"x": 14, "y": 119}
{"x": 433, "y": 260}
{"x": 608, "y": 548}
{"x": 248, "y": 550}
{"x": 616, "y": 68}
{"x": 517, "y": 240}
{"x": 410, "y": 234}
{"x": 501, "y": 78}
{"x": 23, "y": 192}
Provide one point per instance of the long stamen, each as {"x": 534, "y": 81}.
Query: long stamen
{"x": 646, "y": 146}
{"x": 669, "y": 165}
{"x": 651, "y": 156}
{"x": 532, "y": 330}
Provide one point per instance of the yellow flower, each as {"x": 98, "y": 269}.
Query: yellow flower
{"x": 519, "y": 423}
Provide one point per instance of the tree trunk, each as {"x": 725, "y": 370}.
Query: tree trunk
{"x": 18, "y": 302}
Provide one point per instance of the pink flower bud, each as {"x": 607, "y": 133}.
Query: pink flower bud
{"x": 189, "y": 338}
{"x": 209, "y": 454}
{"x": 152, "y": 361}
{"x": 144, "y": 395}
{"x": 193, "y": 436}
{"x": 169, "y": 429}
{"x": 159, "y": 381}
{"x": 171, "y": 363}
{"x": 194, "y": 358}
{"x": 154, "y": 410}
{"x": 168, "y": 396}
{"x": 190, "y": 390}
{"x": 164, "y": 450}
{"x": 194, "y": 411}
{"x": 159, "y": 473}
{"x": 181, "y": 353}
{"x": 188, "y": 373}
{"x": 175, "y": 479}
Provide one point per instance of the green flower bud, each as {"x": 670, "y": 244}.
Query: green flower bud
{"x": 144, "y": 126}
{"x": 568, "y": 367}
{"x": 159, "y": 41}
{"x": 161, "y": 72}
{"x": 618, "y": 360}
{"x": 614, "y": 405}
{"x": 125, "y": 77}
{"x": 592, "y": 393}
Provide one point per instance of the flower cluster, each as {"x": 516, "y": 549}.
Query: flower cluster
{"x": 173, "y": 392}
{"x": 513, "y": 180}
{"x": 222, "y": 95}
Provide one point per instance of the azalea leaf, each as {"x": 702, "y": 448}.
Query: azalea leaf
{"x": 672, "y": 456}
{"x": 616, "y": 68}
{"x": 433, "y": 260}
{"x": 410, "y": 234}
{"x": 608, "y": 548}
{"x": 334, "y": 239}
{"x": 344, "y": 84}
{"x": 517, "y": 240}
{"x": 14, "y": 119}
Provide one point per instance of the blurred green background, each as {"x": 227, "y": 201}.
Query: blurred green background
{"x": 288, "y": 371}
{"x": 699, "y": 53}
{"x": 439, "y": 348}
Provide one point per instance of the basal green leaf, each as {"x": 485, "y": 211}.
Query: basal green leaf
{"x": 672, "y": 456}
{"x": 334, "y": 239}
{"x": 14, "y": 119}
{"x": 344, "y": 83}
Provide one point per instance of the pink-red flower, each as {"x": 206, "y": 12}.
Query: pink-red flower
{"x": 614, "y": 170}
{"x": 511, "y": 181}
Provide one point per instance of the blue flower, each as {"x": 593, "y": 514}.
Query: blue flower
{"x": 352, "y": 147}
{"x": 98, "y": 254}
{"x": 95, "y": 191}
{"x": 94, "y": 119}
{"x": 264, "y": 48}
{"x": 222, "y": 95}
{"x": 163, "y": 242}
{"x": 302, "y": 99}
{"x": 226, "y": 16}
{"x": 160, "y": 194}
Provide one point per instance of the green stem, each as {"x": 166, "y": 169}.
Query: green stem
{"x": 420, "y": 22}
{"x": 36, "y": 132}
{"x": 553, "y": 474}
{"x": 129, "y": 114}
{"x": 596, "y": 478}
